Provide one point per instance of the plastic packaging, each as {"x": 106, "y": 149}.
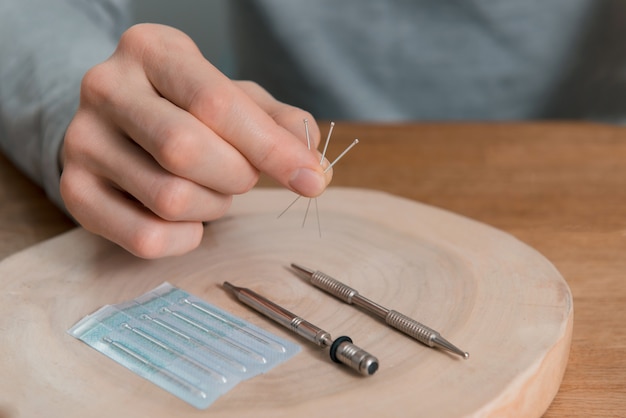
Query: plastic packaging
{"x": 186, "y": 346}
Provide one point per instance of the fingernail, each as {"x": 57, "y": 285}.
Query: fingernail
{"x": 307, "y": 182}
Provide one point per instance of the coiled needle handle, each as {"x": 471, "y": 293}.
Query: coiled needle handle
{"x": 341, "y": 350}
{"x": 395, "y": 319}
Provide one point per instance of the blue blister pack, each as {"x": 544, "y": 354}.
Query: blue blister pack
{"x": 183, "y": 344}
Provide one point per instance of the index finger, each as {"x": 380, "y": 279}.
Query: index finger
{"x": 180, "y": 73}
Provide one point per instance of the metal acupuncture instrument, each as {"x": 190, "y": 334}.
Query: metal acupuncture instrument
{"x": 343, "y": 153}
{"x": 161, "y": 344}
{"x": 164, "y": 372}
{"x": 395, "y": 319}
{"x": 197, "y": 343}
{"x": 250, "y": 333}
{"x": 228, "y": 341}
{"x": 342, "y": 350}
{"x": 308, "y": 206}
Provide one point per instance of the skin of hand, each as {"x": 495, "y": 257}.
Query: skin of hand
{"x": 162, "y": 140}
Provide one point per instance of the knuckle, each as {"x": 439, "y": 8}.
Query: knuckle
{"x": 152, "y": 38}
{"x": 137, "y": 36}
{"x": 251, "y": 87}
{"x": 220, "y": 207}
{"x": 76, "y": 132}
{"x": 97, "y": 85}
{"x": 79, "y": 145}
{"x": 292, "y": 113}
{"x": 148, "y": 240}
{"x": 156, "y": 239}
{"x": 212, "y": 104}
{"x": 177, "y": 149}
{"x": 265, "y": 154}
{"x": 244, "y": 183}
{"x": 72, "y": 189}
{"x": 172, "y": 199}
{"x": 71, "y": 142}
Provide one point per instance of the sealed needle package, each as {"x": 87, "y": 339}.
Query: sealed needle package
{"x": 185, "y": 345}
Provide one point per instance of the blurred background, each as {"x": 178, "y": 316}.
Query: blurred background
{"x": 206, "y": 22}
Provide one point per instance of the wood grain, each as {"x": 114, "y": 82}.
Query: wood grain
{"x": 486, "y": 291}
{"x": 559, "y": 187}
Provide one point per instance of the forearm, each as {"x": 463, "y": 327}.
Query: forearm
{"x": 45, "y": 48}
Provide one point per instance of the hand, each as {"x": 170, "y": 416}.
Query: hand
{"x": 162, "y": 140}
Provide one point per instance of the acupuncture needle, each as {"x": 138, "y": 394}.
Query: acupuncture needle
{"x": 335, "y": 161}
{"x": 167, "y": 374}
{"x": 248, "y": 332}
{"x": 308, "y": 143}
{"x": 226, "y": 340}
{"x": 172, "y": 329}
{"x": 330, "y": 131}
{"x": 308, "y": 206}
{"x": 317, "y": 211}
{"x": 395, "y": 319}
{"x": 146, "y": 336}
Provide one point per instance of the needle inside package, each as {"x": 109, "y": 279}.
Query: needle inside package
{"x": 182, "y": 344}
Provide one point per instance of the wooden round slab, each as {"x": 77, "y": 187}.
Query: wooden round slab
{"x": 485, "y": 291}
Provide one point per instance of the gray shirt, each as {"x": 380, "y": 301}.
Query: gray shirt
{"x": 384, "y": 60}
{"x": 438, "y": 60}
{"x": 45, "y": 48}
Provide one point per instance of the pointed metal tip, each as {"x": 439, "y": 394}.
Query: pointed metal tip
{"x": 441, "y": 342}
{"x": 300, "y": 269}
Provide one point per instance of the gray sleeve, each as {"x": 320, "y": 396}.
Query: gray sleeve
{"x": 46, "y": 46}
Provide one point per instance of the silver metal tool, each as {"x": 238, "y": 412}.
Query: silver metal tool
{"x": 395, "y": 319}
{"x": 341, "y": 350}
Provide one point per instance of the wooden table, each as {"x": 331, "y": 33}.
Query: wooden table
{"x": 559, "y": 187}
